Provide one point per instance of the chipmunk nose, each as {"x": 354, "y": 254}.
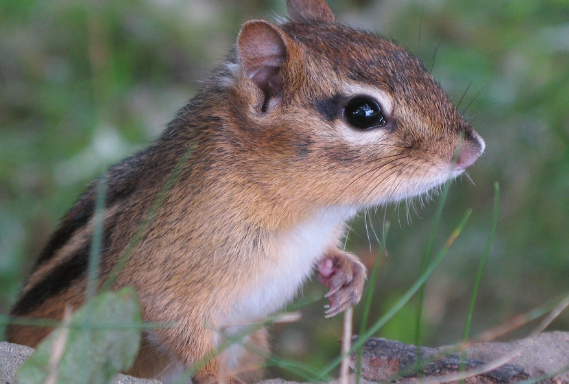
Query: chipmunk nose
{"x": 472, "y": 148}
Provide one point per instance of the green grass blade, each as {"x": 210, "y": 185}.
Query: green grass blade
{"x": 50, "y": 323}
{"x": 482, "y": 263}
{"x": 149, "y": 218}
{"x": 369, "y": 296}
{"x": 95, "y": 252}
{"x": 478, "y": 278}
{"x": 427, "y": 260}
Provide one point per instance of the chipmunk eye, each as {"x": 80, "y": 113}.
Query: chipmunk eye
{"x": 364, "y": 112}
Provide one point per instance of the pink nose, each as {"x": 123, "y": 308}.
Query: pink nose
{"x": 471, "y": 150}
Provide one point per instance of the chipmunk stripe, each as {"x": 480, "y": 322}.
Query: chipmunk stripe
{"x": 84, "y": 209}
{"x": 61, "y": 276}
{"x": 59, "y": 279}
{"x": 64, "y": 233}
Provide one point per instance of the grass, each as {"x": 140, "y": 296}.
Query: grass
{"x": 63, "y": 120}
{"x": 482, "y": 264}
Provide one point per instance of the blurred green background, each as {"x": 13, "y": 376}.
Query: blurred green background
{"x": 84, "y": 83}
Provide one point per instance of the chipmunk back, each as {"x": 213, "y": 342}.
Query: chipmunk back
{"x": 306, "y": 123}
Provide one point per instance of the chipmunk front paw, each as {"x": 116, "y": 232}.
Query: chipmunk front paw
{"x": 345, "y": 275}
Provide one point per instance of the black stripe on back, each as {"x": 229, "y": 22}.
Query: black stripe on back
{"x": 62, "y": 276}
{"x": 59, "y": 279}
{"x": 72, "y": 223}
{"x": 79, "y": 215}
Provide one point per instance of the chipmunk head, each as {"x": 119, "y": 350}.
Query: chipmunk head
{"x": 343, "y": 116}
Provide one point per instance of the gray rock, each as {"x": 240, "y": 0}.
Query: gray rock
{"x": 13, "y": 355}
{"x": 386, "y": 360}
{"x": 351, "y": 380}
{"x": 547, "y": 353}
{"x": 278, "y": 381}
{"x": 125, "y": 379}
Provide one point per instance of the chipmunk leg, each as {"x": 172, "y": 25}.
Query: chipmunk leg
{"x": 251, "y": 360}
{"x": 345, "y": 275}
{"x": 209, "y": 374}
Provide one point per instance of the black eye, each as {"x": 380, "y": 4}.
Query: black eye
{"x": 364, "y": 112}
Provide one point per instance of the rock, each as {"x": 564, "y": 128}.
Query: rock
{"x": 351, "y": 380}
{"x": 278, "y": 381}
{"x": 386, "y": 360}
{"x": 13, "y": 355}
{"x": 125, "y": 379}
{"x": 547, "y": 354}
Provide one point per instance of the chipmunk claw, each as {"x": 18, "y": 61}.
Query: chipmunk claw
{"x": 345, "y": 275}
{"x": 342, "y": 300}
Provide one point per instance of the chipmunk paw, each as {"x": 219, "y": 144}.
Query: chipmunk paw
{"x": 345, "y": 275}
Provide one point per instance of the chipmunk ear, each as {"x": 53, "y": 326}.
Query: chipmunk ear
{"x": 262, "y": 51}
{"x": 307, "y": 10}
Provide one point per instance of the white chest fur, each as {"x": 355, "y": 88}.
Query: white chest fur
{"x": 280, "y": 274}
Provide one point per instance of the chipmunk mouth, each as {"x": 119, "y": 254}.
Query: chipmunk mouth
{"x": 431, "y": 181}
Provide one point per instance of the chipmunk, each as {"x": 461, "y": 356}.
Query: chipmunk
{"x": 305, "y": 124}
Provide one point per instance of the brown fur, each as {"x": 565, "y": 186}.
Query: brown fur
{"x": 273, "y": 169}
